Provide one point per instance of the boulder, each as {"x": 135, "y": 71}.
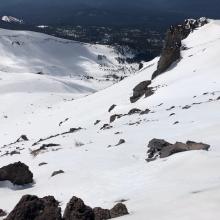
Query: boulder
{"x": 101, "y": 214}
{"x": 155, "y": 146}
{"x": 22, "y": 138}
{"x": 17, "y": 173}
{"x": 161, "y": 148}
{"x": 140, "y": 90}
{"x": 134, "y": 111}
{"x": 118, "y": 210}
{"x": 112, "y": 107}
{"x": 77, "y": 210}
{"x": 55, "y": 173}
{"x": 2, "y": 213}
{"x": 34, "y": 208}
{"x": 121, "y": 141}
{"x": 114, "y": 117}
{"x": 146, "y": 111}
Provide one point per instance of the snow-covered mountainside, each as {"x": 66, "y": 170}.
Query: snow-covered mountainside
{"x": 105, "y": 162}
{"x": 42, "y": 63}
{"x": 10, "y": 19}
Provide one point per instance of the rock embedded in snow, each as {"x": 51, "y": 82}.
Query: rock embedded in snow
{"x": 134, "y": 111}
{"x": 2, "y": 213}
{"x": 34, "y": 208}
{"x": 22, "y": 138}
{"x": 119, "y": 210}
{"x": 42, "y": 164}
{"x": 17, "y": 173}
{"x": 161, "y": 148}
{"x": 146, "y": 111}
{"x": 114, "y": 117}
{"x": 101, "y": 214}
{"x": 112, "y": 107}
{"x": 55, "y": 173}
{"x": 77, "y": 210}
{"x": 121, "y": 141}
{"x": 140, "y": 90}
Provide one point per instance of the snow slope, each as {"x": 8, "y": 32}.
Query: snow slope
{"x": 185, "y": 186}
{"x": 48, "y": 64}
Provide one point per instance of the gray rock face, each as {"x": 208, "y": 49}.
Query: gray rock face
{"x": 173, "y": 42}
{"x": 140, "y": 90}
{"x": 17, "y": 173}
{"x": 33, "y": 208}
{"x": 77, "y": 210}
{"x": 118, "y": 210}
{"x": 161, "y": 149}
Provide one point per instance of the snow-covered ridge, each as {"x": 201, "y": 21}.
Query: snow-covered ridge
{"x": 10, "y": 19}
{"x": 185, "y": 106}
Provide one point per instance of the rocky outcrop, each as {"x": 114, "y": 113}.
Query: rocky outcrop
{"x": 140, "y": 90}
{"x": 77, "y": 210}
{"x": 17, "y": 173}
{"x": 47, "y": 208}
{"x": 172, "y": 47}
{"x": 34, "y": 208}
{"x": 159, "y": 148}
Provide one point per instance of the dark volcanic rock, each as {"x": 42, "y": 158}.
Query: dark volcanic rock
{"x": 101, "y": 214}
{"x": 118, "y": 210}
{"x": 33, "y": 208}
{"x": 173, "y": 42}
{"x": 42, "y": 164}
{"x": 114, "y": 117}
{"x": 163, "y": 149}
{"x": 106, "y": 127}
{"x": 2, "y": 213}
{"x": 134, "y": 111}
{"x": 96, "y": 122}
{"x": 77, "y": 210}
{"x": 122, "y": 141}
{"x": 146, "y": 111}
{"x": 22, "y": 138}
{"x": 112, "y": 107}
{"x": 17, "y": 173}
{"x": 197, "y": 146}
{"x": 55, "y": 173}
{"x": 155, "y": 146}
{"x": 140, "y": 90}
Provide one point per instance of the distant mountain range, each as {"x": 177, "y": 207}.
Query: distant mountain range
{"x": 103, "y": 12}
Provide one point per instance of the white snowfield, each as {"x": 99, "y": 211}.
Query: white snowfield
{"x": 185, "y": 186}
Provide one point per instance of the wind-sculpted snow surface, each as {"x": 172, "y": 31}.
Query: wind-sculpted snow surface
{"x": 185, "y": 106}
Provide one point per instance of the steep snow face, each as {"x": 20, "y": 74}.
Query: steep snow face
{"x": 10, "y": 19}
{"x": 47, "y": 64}
{"x": 184, "y": 186}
